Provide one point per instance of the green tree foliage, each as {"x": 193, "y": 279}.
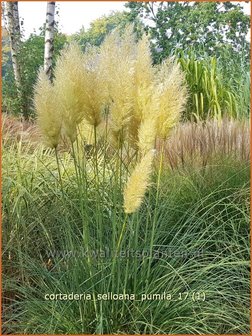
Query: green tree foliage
{"x": 31, "y": 58}
{"x": 209, "y": 39}
{"x": 32, "y": 54}
{"x": 102, "y": 26}
{"x": 202, "y": 26}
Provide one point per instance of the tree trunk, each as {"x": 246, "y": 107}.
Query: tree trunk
{"x": 49, "y": 36}
{"x": 13, "y": 29}
{"x": 16, "y": 22}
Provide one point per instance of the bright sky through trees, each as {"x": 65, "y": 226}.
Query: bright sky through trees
{"x": 72, "y": 14}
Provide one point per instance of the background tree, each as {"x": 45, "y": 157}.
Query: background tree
{"x": 49, "y": 37}
{"x": 32, "y": 58}
{"x": 209, "y": 27}
{"x": 16, "y": 21}
{"x": 6, "y": 52}
{"x": 208, "y": 39}
{"x": 102, "y": 26}
{"x": 13, "y": 28}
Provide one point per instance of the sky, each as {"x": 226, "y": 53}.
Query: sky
{"x": 72, "y": 14}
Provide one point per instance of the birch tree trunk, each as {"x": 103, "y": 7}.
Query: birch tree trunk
{"x": 13, "y": 29}
{"x": 16, "y": 22}
{"x": 49, "y": 37}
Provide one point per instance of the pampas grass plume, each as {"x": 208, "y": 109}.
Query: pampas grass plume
{"x": 46, "y": 105}
{"x": 172, "y": 95}
{"x": 70, "y": 81}
{"x": 147, "y": 135}
{"x": 118, "y": 58}
{"x": 138, "y": 183}
{"x": 94, "y": 92}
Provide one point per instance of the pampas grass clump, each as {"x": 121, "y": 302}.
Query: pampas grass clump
{"x": 118, "y": 87}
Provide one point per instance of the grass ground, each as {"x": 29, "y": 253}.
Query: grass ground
{"x": 198, "y": 221}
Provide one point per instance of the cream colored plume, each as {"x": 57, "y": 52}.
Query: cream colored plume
{"x": 86, "y": 133}
{"x": 70, "y": 81}
{"x": 143, "y": 64}
{"x": 46, "y": 105}
{"x": 171, "y": 95}
{"x": 147, "y": 134}
{"x": 117, "y": 57}
{"x": 138, "y": 183}
{"x": 143, "y": 81}
{"x": 95, "y": 93}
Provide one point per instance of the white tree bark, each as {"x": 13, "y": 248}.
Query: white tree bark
{"x": 4, "y": 14}
{"x": 13, "y": 29}
{"x": 16, "y": 22}
{"x": 49, "y": 37}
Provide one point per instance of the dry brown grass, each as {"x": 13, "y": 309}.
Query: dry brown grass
{"x": 15, "y": 130}
{"x": 198, "y": 143}
{"x": 193, "y": 144}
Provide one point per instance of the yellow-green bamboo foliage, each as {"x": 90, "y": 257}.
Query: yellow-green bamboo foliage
{"x": 49, "y": 118}
{"x": 138, "y": 183}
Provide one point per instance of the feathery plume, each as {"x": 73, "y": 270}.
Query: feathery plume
{"x": 143, "y": 81}
{"x": 95, "y": 93}
{"x": 171, "y": 95}
{"x": 86, "y": 133}
{"x": 138, "y": 183}
{"x": 143, "y": 75}
{"x": 49, "y": 117}
{"x": 143, "y": 127}
{"x": 117, "y": 57}
{"x": 147, "y": 135}
{"x": 70, "y": 81}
